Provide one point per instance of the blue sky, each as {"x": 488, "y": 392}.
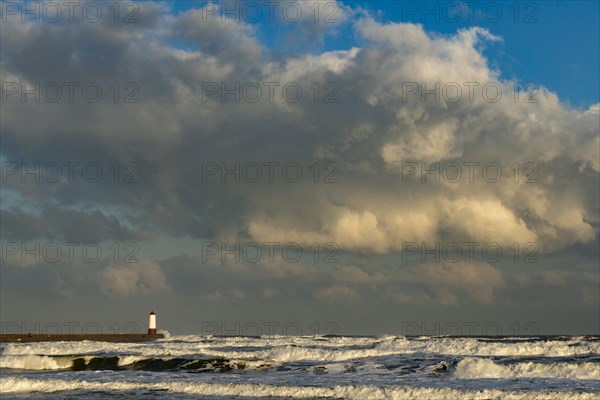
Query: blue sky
{"x": 545, "y": 42}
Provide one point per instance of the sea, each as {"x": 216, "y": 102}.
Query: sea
{"x": 315, "y": 367}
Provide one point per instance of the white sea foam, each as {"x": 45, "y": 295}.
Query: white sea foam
{"x": 128, "y": 360}
{"x": 476, "y": 368}
{"x": 32, "y": 362}
{"x": 305, "y": 349}
{"x": 24, "y": 385}
{"x": 548, "y": 348}
{"x": 39, "y": 362}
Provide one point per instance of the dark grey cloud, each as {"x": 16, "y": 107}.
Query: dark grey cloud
{"x": 62, "y": 224}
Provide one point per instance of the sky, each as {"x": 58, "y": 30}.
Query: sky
{"x": 344, "y": 167}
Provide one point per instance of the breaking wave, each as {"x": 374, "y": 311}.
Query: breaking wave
{"x": 322, "y": 349}
{"x": 124, "y": 363}
{"x": 25, "y": 385}
{"x": 476, "y": 368}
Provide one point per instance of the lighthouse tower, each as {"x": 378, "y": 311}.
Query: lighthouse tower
{"x": 152, "y": 324}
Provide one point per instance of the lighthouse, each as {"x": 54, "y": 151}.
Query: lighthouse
{"x": 152, "y": 324}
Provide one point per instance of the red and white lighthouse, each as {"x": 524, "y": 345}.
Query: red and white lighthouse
{"x": 152, "y": 324}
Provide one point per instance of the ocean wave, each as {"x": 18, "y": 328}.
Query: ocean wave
{"x": 477, "y": 368}
{"x": 31, "y": 362}
{"x": 122, "y": 363}
{"x": 541, "y": 348}
{"x": 27, "y": 385}
{"x": 467, "y": 368}
{"x": 298, "y": 348}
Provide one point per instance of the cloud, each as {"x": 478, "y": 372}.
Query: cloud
{"x": 370, "y": 135}
{"x": 373, "y": 131}
{"x": 145, "y": 278}
{"x": 336, "y": 293}
{"x": 477, "y": 280}
{"x": 63, "y": 224}
{"x": 436, "y": 283}
{"x": 229, "y": 41}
